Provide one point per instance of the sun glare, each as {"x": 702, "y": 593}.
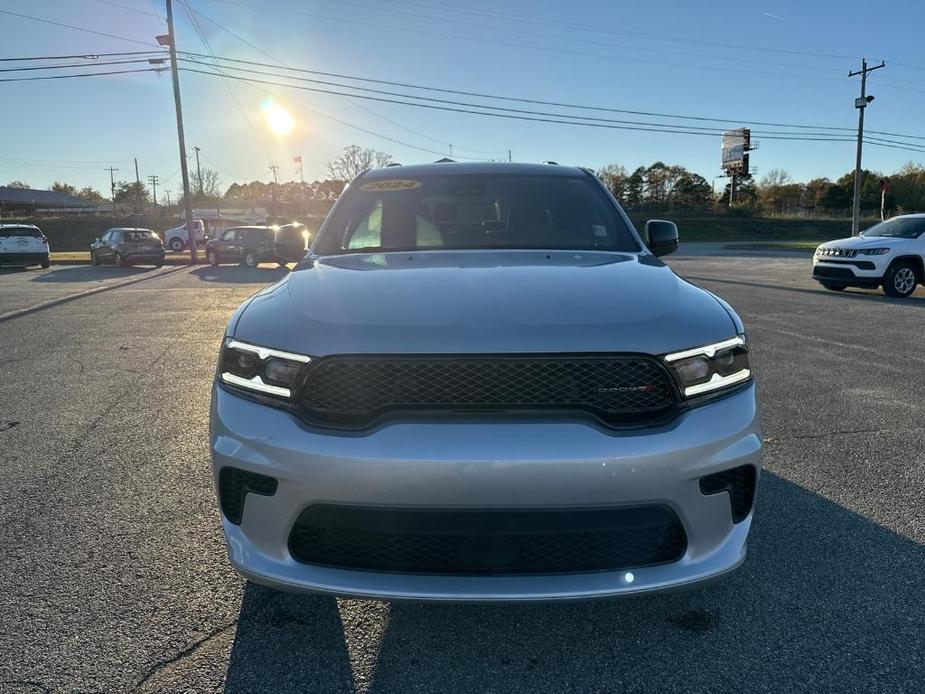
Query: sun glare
{"x": 277, "y": 118}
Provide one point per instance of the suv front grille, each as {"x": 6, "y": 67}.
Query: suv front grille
{"x": 356, "y": 390}
{"x": 486, "y": 542}
{"x": 838, "y": 252}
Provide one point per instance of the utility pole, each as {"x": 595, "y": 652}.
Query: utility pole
{"x": 137, "y": 189}
{"x": 187, "y": 203}
{"x": 509, "y": 155}
{"x": 860, "y": 104}
{"x": 112, "y": 186}
{"x": 199, "y": 173}
{"x": 153, "y": 181}
{"x": 274, "y": 168}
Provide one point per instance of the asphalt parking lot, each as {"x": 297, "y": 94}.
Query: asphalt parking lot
{"x": 114, "y": 578}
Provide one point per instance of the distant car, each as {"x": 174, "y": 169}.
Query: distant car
{"x": 290, "y": 242}
{"x": 177, "y": 238}
{"x": 127, "y": 246}
{"x": 249, "y": 245}
{"x": 23, "y": 244}
{"x": 890, "y": 254}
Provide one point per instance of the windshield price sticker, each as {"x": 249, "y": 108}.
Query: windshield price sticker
{"x": 390, "y": 185}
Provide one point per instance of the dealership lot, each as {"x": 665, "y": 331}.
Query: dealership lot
{"x": 114, "y": 574}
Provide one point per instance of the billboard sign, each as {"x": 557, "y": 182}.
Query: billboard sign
{"x": 736, "y": 144}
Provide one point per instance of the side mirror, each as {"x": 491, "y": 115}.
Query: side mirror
{"x": 661, "y": 236}
{"x": 95, "y": 240}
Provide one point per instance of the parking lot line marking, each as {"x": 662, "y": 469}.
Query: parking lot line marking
{"x": 49, "y": 303}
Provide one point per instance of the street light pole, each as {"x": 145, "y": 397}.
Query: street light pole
{"x": 860, "y": 104}
{"x": 187, "y": 203}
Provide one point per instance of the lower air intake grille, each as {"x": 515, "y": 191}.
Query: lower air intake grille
{"x": 355, "y": 390}
{"x": 740, "y": 482}
{"x": 486, "y": 542}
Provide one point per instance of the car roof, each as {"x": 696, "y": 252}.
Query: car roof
{"x": 251, "y": 226}
{"x": 129, "y": 229}
{"x": 480, "y": 167}
{"x": 14, "y": 225}
{"x": 916, "y": 215}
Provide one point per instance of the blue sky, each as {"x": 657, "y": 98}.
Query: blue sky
{"x": 658, "y": 57}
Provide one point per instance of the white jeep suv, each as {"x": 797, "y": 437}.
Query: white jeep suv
{"x": 890, "y": 254}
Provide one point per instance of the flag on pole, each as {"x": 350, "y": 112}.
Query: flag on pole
{"x": 298, "y": 159}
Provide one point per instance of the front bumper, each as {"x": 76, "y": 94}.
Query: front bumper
{"x": 36, "y": 258}
{"x": 862, "y": 271}
{"x": 487, "y": 464}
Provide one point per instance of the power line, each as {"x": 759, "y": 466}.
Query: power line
{"x": 75, "y": 28}
{"x": 484, "y": 106}
{"x": 88, "y": 56}
{"x": 228, "y": 86}
{"x": 31, "y": 68}
{"x": 85, "y": 74}
{"x": 562, "y": 119}
{"x": 132, "y": 9}
{"x": 559, "y": 104}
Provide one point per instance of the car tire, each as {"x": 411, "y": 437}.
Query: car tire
{"x": 159, "y": 263}
{"x": 176, "y": 244}
{"x": 281, "y": 262}
{"x": 900, "y": 280}
{"x": 212, "y": 257}
{"x": 832, "y": 287}
{"x": 250, "y": 259}
{"x": 45, "y": 264}
{"x": 118, "y": 260}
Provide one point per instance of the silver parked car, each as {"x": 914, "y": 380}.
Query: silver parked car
{"x": 483, "y": 384}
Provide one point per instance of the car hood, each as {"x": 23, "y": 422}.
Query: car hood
{"x": 483, "y": 302}
{"x": 865, "y": 242}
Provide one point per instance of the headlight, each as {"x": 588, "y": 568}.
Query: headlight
{"x": 873, "y": 251}
{"x": 260, "y": 369}
{"x": 710, "y": 368}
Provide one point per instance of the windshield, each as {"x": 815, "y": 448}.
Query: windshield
{"x": 475, "y": 211}
{"x": 908, "y": 228}
{"x": 140, "y": 235}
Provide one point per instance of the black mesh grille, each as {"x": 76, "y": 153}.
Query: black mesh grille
{"x": 354, "y": 390}
{"x": 740, "y": 482}
{"x": 840, "y": 273}
{"x": 233, "y": 487}
{"x": 486, "y": 542}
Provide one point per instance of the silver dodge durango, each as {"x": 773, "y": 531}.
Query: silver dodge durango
{"x": 481, "y": 383}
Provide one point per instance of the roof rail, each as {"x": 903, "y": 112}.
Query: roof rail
{"x": 392, "y": 163}
{"x": 551, "y": 163}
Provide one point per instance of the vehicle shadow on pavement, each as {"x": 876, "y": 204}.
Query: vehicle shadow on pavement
{"x": 826, "y": 600}
{"x": 850, "y": 292}
{"x": 240, "y": 274}
{"x": 90, "y": 273}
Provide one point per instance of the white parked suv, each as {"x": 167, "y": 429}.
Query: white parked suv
{"x": 890, "y": 254}
{"x": 23, "y": 244}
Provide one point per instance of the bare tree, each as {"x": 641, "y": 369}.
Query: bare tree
{"x": 60, "y": 187}
{"x": 354, "y": 160}
{"x": 17, "y": 184}
{"x": 210, "y": 185}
